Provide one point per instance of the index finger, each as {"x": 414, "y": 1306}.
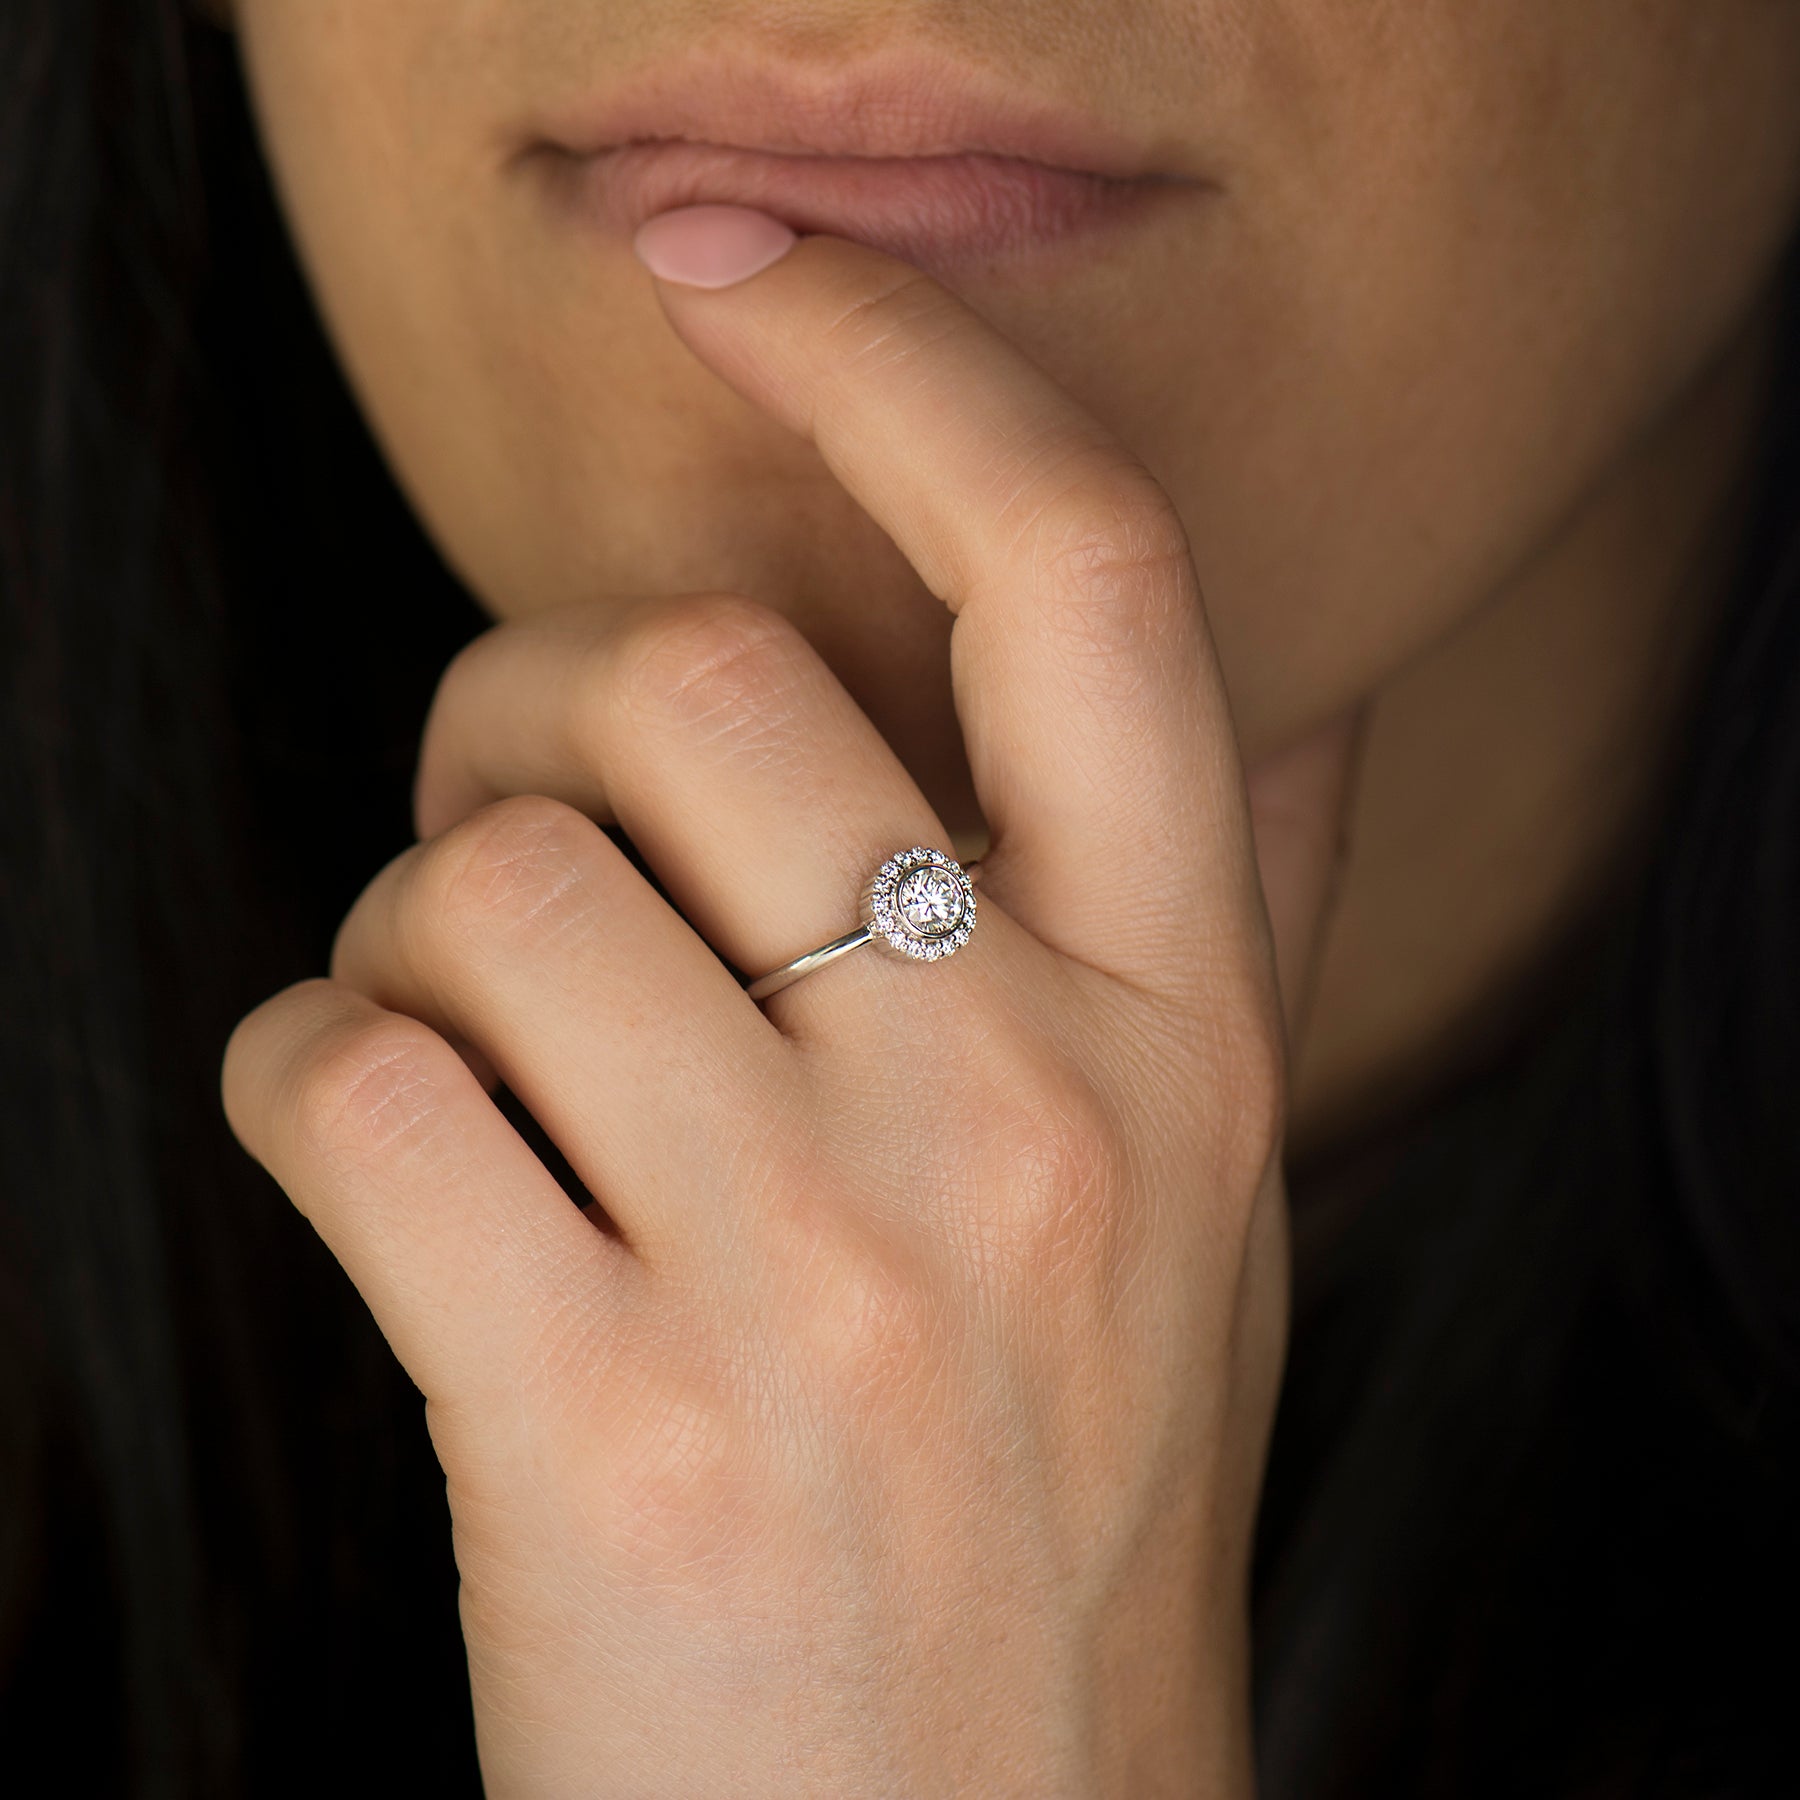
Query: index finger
{"x": 1092, "y": 706}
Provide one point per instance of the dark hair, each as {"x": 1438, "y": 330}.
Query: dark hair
{"x": 1534, "y": 1468}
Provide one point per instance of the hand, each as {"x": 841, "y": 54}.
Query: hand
{"x": 906, "y": 1438}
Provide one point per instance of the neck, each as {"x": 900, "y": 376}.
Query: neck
{"x": 1512, "y": 765}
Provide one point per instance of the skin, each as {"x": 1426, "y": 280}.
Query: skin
{"x": 1427, "y": 419}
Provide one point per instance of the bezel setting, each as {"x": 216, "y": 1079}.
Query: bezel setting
{"x": 884, "y": 912}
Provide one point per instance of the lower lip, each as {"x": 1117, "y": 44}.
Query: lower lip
{"x": 934, "y": 211}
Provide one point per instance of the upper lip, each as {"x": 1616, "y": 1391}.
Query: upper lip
{"x": 893, "y": 104}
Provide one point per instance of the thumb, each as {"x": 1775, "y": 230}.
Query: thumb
{"x": 1300, "y": 801}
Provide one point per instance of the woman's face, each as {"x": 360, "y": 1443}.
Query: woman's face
{"x": 1439, "y": 265}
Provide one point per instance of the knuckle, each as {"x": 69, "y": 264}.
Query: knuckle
{"x": 707, "y": 662}
{"x": 683, "y": 1493}
{"x": 1051, "y": 1161}
{"x": 361, "y": 1089}
{"x": 851, "y": 1302}
{"x": 1110, "y": 571}
{"x": 454, "y": 702}
{"x": 466, "y": 673}
{"x": 512, "y": 864}
{"x": 868, "y": 1323}
{"x": 258, "y": 1050}
{"x": 1112, "y": 550}
{"x": 1108, "y": 523}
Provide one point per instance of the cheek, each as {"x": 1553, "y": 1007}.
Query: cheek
{"x": 1474, "y": 255}
{"x": 383, "y": 125}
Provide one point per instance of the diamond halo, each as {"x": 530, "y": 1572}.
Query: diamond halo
{"x": 921, "y": 902}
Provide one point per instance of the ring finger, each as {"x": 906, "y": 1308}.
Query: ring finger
{"x": 715, "y": 735}
{"x": 524, "y": 931}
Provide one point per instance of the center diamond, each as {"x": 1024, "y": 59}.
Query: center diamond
{"x": 930, "y": 901}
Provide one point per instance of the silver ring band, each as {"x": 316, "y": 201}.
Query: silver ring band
{"x": 920, "y": 904}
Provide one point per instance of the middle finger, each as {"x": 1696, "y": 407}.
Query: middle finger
{"x": 715, "y": 735}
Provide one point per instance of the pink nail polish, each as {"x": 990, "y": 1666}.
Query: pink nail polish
{"x": 710, "y": 246}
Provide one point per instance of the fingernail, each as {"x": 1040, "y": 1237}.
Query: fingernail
{"x": 710, "y": 246}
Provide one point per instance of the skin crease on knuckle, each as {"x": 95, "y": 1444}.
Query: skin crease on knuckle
{"x": 1109, "y": 569}
{"x": 704, "y": 663}
{"x": 525, "y": 864}
{"x": 360, "y": 1090}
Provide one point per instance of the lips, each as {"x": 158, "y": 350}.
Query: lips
{"x": 927, "y": 210}
{"x": 921, "y": 155}
{"x": 896, "y": 104}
